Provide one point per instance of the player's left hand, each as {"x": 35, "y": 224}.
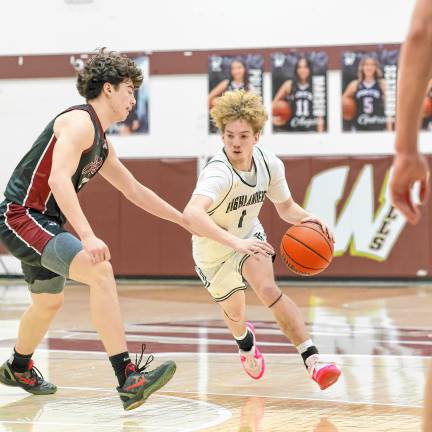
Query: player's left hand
{"x": 327, "y": 231}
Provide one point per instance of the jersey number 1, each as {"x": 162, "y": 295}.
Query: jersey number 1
{"x": 240, "y": 224}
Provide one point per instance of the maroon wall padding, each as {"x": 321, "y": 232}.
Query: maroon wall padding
{"x": 143, "y": 245}
{"x": 411, "y": 252}
{"x": 140, "y": 243}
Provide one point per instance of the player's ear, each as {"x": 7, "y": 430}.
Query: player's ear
{"x": 107, "y": 88}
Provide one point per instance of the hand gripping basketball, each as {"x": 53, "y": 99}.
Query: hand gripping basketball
{"x": 306, "y": 249}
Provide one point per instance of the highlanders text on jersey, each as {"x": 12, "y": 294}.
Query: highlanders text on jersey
{"x": 237, "y": 200}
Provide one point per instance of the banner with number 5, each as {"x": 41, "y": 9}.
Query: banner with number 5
{"x": 369, "y": 90}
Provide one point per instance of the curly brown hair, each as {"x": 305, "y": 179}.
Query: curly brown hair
{"x": 239, "y": 105}
{"x": 106, "y": 66}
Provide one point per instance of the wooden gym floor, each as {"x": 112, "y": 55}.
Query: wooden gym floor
{"x": 380, "y": 336}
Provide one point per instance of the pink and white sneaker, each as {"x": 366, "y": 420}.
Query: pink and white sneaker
{"x": 324, "y": 374}
{"x": 252, "y": 361}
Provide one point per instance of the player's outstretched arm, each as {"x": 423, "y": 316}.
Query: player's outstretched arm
{"x": 122, "y": 179}
{"x": 196, "y": 218}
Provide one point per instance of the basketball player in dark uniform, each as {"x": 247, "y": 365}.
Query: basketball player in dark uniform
{"x": 368, "y": 92}
{"x": 42, "y": 194}
{"x": 298, "y": 93}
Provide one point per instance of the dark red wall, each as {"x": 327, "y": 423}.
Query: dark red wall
{"x": 144, "y": 245}
{"x": 140, "y": 243}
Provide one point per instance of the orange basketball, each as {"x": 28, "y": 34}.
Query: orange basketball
{"x": 349, "y": 108}
{"x": 427, "y": 107}
{"x": 281, "y": 108}
{"x": 306, "y": 250}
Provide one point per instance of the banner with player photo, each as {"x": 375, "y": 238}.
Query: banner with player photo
{"x": 369, "y": 90}
{"x": 138, "y": 119}
{"x": 299, "y": 92}
{"x": 227, "y": 73}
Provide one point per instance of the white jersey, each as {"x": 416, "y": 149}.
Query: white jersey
{"x": 237, "y": 200}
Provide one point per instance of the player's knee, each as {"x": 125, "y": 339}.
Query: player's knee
{"x": 49, "y": 304}
{"x": 235, "y": 314}
{"x": 101, "y": 274}
{"x": 268, "y": 292}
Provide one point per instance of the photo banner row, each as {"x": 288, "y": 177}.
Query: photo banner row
{"x": 300, "y": 88}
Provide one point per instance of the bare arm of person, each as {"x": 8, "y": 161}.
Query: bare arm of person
{"x": 196, "y": 217}
{"x": 217, "y": 92}
{"x": 284, "y": 91}
{"x": 114, "y": 171}
{"x": 350, "y": 90}
{"x": 75, "y": 133}
{"x": 415, "y": 69}
{"x": 291, "y": 212}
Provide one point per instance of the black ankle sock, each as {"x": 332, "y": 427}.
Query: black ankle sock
{"x": 119, "y": 363}
{"x": 310, "y": 351}
{"x": 246, "y": 344}
{"x": 20, "y": 362}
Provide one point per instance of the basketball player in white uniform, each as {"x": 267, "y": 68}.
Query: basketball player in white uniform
{"x": 231, "y": 246}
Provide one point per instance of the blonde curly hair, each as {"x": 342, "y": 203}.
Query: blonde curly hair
{"x": 239, "y": 105}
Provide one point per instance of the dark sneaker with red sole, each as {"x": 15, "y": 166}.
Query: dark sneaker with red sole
{"x": 31, "y": 380}
{"x": 139, "y": 384}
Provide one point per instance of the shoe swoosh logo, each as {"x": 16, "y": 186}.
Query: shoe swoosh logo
{"x": 27, "y": 381}
{"x": 137, "y": 384}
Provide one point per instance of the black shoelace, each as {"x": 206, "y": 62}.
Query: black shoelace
{"x": 34, "y": 372}
{"x": 150, "y": 358}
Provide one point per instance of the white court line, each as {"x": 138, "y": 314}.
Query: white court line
{"x": 196, "y": 341}
{"x": 223, "y": 415}
{"x": 259, "y": 395}
{"x": 202, "y": 364}
{"x": 267, "y": 331}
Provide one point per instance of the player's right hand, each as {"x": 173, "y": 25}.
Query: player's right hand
{"x": 407, "y": 170}
{"x": 96, "y": 249}
{"x": 253, "y": 247}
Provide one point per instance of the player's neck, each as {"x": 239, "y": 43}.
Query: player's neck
{"x": 243, "y": 165}
{"x": 103, "y": 112}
